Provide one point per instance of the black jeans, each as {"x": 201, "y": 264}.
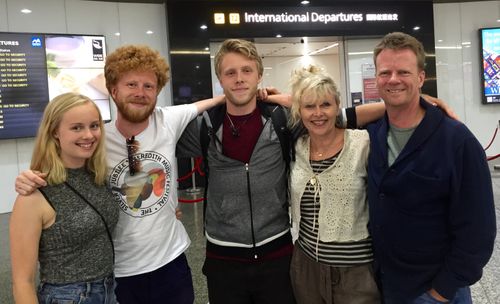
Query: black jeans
{"x": 263, "y": 282}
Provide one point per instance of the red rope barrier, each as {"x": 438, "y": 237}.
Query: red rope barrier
{"x": 196, "y": 168}
{"x": 492, "y": 157}
{"x": 198, "y": 162}
{"x": 488, "y": 158}
{"x": 494, "y": 135}
{"x": 182, "y": 200}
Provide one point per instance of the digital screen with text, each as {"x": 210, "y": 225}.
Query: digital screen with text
{"x": 490, "y": 51}
{"x": 35, "y": 68}
{"x": 23, "y": 84}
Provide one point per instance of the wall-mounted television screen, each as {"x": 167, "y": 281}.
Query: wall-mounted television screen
{"x": 490, "y": 72}
{"x": 34, "y": 68}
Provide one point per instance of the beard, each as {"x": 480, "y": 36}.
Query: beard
{"x": 134, "y": 115}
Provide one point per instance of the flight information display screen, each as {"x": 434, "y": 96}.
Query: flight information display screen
{"x": 34, "y": 68}
{"x": 490, "y": 55}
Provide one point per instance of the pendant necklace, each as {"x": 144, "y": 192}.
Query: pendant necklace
{"x": 333, "y": 149}
{"x": 235, "y": 131}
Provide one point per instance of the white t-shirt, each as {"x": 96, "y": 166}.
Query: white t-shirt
{"x": 148, "y": 235}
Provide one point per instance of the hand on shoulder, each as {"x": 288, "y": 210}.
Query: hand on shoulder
{"x": 441, "y": 104}
{"x": 28, "y": 181}
{"x": 273, "y": 95}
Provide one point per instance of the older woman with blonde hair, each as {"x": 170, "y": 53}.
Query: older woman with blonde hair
{"x": 66, "y": 226}
{"x": 332, "y": 259}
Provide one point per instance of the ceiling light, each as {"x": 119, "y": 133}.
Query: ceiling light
{"x": 278, "y": 36}
{"x": 117, "y": 34}
{"x": 207, "y": 49}
{"x": 448, "y": 47}
{"x": 323, "y": 49}
{"x": 149, "y": 32}
{"x": 416, "y": 28}
{"x": 26, "y": 11}
{"x": 203, "y": 27}
{"x": 360, "y": 53}
{"x": 305, "y": 2}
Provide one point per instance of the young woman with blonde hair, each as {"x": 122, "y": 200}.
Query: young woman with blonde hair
{"x": 66, "y": 226}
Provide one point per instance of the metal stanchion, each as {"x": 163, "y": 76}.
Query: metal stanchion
{"x": 193, "y": 189}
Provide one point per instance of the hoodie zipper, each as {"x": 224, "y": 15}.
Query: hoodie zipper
{"x": 255, "y": 256}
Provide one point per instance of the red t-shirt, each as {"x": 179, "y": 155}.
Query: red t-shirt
{"x": 240, "y": 134}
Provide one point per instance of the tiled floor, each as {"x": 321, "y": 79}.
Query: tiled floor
{"x": 486, "y": 291}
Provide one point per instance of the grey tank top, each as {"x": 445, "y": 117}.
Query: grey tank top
{"x": 76, "y": 248}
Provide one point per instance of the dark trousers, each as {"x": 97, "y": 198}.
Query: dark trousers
{"x": 171, "y": 283}
{"x": 265, "y": 282}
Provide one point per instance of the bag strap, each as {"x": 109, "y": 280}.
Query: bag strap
{"x": 210, "y": 123}
{"x": 206, "y": 130}
{"x": 280, "y": 124}
{"x": 280, "y": 120}
{"x": 108, "y": 232}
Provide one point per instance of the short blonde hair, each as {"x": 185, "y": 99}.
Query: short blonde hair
{"x": 135, "y": 58}
{"x": 312, "y": 81}
{"x": 46, "y": 152}
{"x": 238, "y": 46}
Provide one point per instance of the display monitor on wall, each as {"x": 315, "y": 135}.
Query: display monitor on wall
{"x": 34, "y": 68}
{"x": 490, "y": 72}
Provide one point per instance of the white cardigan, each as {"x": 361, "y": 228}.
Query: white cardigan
{"x": 343, "y": 213}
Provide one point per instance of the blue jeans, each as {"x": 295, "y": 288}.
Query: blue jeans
{"x": 96, "y": 292}
{"x": 461, "y": 297}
